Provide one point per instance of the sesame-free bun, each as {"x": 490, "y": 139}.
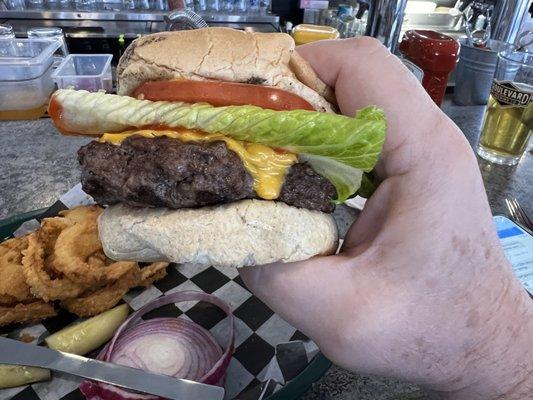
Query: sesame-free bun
{"x": 223, "y": 54}
{"x": 244, "y": 233}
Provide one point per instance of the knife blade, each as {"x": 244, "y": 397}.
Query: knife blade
{"x": 18, "y": 353}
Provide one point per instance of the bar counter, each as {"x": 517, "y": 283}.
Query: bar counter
{"x": 37, "y": 165}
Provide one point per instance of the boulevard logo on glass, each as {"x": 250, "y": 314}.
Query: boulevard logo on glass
{"x": 508, "y": 93}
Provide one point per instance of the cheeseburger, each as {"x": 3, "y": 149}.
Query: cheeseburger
{"x": 222, "y": 148}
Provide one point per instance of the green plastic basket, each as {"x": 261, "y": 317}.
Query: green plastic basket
{"x": 10, "y": 225}
{"x": 292, "y": 390}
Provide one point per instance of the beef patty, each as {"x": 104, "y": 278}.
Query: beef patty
{"x": 165, "y": 172}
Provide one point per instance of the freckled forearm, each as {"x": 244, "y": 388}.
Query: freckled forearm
{"x": 522, "y": 390}
{"x": 518, "y": 365}
{"x": 498, "y": 344}
{"x": 504, "y": 378}
{"x": 503, "y": 366}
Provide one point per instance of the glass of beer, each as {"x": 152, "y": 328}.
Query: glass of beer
{"x": 508, "y": 120}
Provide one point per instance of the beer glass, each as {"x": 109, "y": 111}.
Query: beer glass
{"x": 213, "y": 5}
{"x": 52, "y": 33}
{"x": 35, "y": 3}
{"x": 7, "y": 45}
{"x": 508, "y": 120}
{"x": 15, "y": 4}
{"x": 85, "y": 5}
{"x": 240, "y": 6}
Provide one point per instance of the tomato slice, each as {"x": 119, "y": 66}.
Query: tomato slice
{"x": 218, "y": 93}
{"x": 55, "y": 111}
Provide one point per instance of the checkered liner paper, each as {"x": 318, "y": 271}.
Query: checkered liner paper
{"x": 268, "y": 351}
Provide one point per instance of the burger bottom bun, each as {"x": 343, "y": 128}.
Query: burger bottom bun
{"x": 244, "y": 233}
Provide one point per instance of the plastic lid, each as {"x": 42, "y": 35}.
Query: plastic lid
{"x": 27, "y": 58}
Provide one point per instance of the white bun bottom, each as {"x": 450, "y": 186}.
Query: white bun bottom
{"x": 244, "y": 233}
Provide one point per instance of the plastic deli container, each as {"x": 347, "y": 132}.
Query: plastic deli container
{"x": 26, "y": 77}
{"x": 90, "y": 72}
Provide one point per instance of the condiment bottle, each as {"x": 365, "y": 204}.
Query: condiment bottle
{"x": 435, "y": 54}
{"x": 306, "y": 33}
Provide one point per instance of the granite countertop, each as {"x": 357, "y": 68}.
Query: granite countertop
{"x": 500, "y": 181}
{"x": 37, "y": 165}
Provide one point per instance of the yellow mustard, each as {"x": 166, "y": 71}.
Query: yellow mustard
{"x": 266, "y": 166}
{"x": 307, "y": 33}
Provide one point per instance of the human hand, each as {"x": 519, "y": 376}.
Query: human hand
{"x": 421, "y": 289}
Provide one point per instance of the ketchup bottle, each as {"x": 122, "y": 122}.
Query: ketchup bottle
{"x": 435, "y": 54}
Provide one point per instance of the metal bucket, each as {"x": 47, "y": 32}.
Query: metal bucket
{"x": 474, "y": 72}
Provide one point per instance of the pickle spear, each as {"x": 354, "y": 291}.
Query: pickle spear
{"x": 18, "y": 375}
{"x": 90, "y": 334}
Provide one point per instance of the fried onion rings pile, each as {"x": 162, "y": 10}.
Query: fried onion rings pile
{"x": 17, "y": 304}
{"x": 64, "y": 261}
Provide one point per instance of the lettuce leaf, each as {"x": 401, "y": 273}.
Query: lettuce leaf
{"x": 338, "y": 147}
{"x": 367, "y": 186}
{"x": 355, "y": 142}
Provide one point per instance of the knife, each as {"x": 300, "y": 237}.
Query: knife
{"x": 18, "y": 353}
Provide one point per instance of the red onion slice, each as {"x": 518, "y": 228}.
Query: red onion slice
{"x": 170, "y": 346}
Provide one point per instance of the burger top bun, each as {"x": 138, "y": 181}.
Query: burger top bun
{"x": 223, "y": 54}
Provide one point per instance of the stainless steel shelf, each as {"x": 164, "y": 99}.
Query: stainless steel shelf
{"x": 105, "y": 15}
{"x": 109, "y": 24}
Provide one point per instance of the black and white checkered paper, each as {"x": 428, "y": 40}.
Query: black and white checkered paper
{"x": 268, "y": 351}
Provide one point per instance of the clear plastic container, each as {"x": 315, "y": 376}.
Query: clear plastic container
{"x": 27, "y": 59}
{"x": 90, "y": 72}
{"x": 25, "y": 78}
{"x": 53, "y": 33}
{"x": 26, "y": 99}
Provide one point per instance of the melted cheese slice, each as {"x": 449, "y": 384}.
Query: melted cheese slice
{"x": 266, "y": 166}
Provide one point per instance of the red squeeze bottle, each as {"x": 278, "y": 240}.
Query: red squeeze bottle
{"x": 436, "y": 54}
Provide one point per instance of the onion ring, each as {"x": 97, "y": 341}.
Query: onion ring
{"x": 106, "y": 297}
{"x": 13, "y": 287}
{"x": 79, "y": 253}
{"x": 36, "y": 266}
{"x": 26, "y": 312}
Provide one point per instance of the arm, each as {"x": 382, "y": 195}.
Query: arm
{"x": 421, "y": 290}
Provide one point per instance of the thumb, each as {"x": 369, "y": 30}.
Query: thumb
{"x": 316, "y": 296}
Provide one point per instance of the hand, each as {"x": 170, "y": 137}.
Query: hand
{"x": 421, "y": 289}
